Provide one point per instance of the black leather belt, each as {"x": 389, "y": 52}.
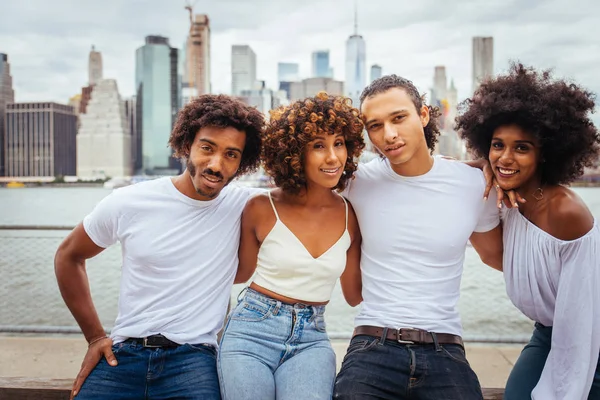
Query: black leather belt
{"x": 154, "y": 341}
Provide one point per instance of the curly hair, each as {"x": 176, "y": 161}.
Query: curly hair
{"x": 387, "y": 82}
{"x": 219, "y": 111}
{"x": 292, "y": 127}
{"x": 554, "y": 111}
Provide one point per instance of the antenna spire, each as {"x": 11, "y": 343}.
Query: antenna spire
{"x": 355, "y": 18}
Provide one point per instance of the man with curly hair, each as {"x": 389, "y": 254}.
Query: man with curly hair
{"x": 179, "y": 238}
{"x": 416, "y": 214}
{"x": 537, "y": 135}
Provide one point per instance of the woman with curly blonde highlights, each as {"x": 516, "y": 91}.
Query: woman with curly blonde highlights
{"x": 297, "y": 240}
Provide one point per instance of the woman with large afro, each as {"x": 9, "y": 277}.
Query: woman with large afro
{"x": 536, "y": 133}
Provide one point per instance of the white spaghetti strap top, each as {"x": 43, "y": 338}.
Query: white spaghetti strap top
{"x": 286, "y": 267}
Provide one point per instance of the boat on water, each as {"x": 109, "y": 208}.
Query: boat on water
{"x": 115, "y": 183}
{"x": 14, "y": 185}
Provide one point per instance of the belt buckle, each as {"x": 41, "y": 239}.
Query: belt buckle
{"x": 399, "y": 336}
{"x": 145, "y": 344}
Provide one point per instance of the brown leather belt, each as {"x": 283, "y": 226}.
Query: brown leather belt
{"x": 408, "y": 335}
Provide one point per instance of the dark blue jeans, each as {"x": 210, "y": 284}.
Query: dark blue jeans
{"x": 376, "y": 369}
{"x": 527, "y": 371}
{"x": 186, "y": 373}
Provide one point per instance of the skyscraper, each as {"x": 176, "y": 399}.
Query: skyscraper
{"x": 311, "y": 86}
{"x": 446, "y": 98}
{"x": 7, "y": 95}
{"x": 288, "y": 72}
{"x": 376, "y": 72}
{"x": 94, "y": 67}
{"x": 103, "y": 140}
{"x": 452, "y": 101}
{"x": 356, "y": 64}
{"x": 320, "y": 64}
{"x": 440, "y": 84}
{"x": 159, "y": 99}
{"x": 40, "y": 139}
{"x": 131, "y": 108}
{"x": 243, "y": 69}
{"x": 196, "y": 68}
{"x": 483, "y": 59}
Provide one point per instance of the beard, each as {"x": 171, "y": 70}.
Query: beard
{"x": 213, "y": 192}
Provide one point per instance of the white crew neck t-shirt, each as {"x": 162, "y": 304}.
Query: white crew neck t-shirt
{"x": 414, "y": 235}
{"x": 180, "y": 256}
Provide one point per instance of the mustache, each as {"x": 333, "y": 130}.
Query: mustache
{"x": 209, "y": 171}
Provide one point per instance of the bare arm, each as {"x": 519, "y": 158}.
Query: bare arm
{"x": 489, "y": 246}
{"x": 69, "y": 267}
{"x": 249, "y": 245}
{"x": 351, "y": 279}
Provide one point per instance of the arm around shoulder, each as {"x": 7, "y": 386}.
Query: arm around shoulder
{"x": 351, "y": 279}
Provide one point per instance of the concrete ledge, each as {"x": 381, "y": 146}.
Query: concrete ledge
{"x": 27, "y": 358}
{"x": 35, "y": 389}
{"x": 59, "y": 389}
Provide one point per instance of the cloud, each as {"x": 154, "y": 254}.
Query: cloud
{"x": 48, "y": 42}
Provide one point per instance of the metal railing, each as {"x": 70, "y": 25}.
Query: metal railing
{"x": 30, "y": 301}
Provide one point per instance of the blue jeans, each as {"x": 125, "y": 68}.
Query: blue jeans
{"x": 527, "y": 371}
{"x": 187, "y": 372}
{"x": 378, "y": 369}
{"x": 272, "y": 350}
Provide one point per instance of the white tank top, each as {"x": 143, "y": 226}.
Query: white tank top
{"x": 284, "y": 265}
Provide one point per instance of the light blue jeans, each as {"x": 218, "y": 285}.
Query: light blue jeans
{"x": 272, "y": 350}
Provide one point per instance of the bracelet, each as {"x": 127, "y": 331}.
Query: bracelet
{"x": 97, "y": 340}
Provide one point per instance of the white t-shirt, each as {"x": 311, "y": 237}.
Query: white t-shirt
{"x": 414, "y": 234}
{"x": 180, "y": 256}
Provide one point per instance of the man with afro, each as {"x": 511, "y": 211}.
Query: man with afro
{"x": 179, "y": 238}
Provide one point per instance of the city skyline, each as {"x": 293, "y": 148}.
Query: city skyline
{"x": 289, "y": 32}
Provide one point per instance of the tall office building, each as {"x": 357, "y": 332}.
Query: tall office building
{"x": 288, "y": 72}
{"x": 196, "y": 57}
{"x": 446, "y": 98}
{"x": 94, "y": 67}
{"x": 7, "y": 95}
{"x": 320, "y": 64}
{"x": 103, "y": 140}
{"x": 158, "y": 97}
{"x": 483, "y": 60}
{"x": 452, "y": 100}
{"x": 243, "y": 69}
{"x": 376, "y": 72}
{"x": 440, "y": 84}
{"x": 130, "y": 105}
{"x": 356, "y": 64}
{"x": 40, "y": 139}
{"x": 311, "y": 86}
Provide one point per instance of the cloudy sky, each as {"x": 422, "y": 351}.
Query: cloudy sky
{"x": 48, "y": 41}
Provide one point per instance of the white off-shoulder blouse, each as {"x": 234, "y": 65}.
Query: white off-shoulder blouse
{"x": 557, "y": 283}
